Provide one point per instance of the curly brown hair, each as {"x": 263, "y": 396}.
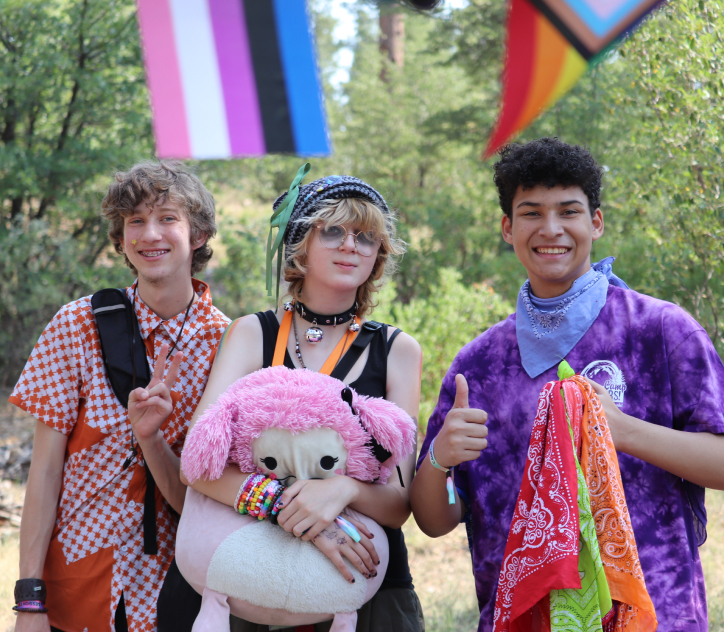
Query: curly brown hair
{"x": 365, "y": 216}
{"x": 550, "y": 162}
{"x": 152, "y": 182}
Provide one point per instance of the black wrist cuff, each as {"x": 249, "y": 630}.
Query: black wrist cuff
{"x": 30, "y": 590}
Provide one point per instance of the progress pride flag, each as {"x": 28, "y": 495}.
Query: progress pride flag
{"x": 232, "y": 78}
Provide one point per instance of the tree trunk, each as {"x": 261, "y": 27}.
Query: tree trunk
{"x": 392, "y": 38}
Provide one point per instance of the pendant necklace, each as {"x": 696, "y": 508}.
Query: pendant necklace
{"x": 314, "y": 333}
{"x": 289, "y": 322}
{"x": 341, "y": 345}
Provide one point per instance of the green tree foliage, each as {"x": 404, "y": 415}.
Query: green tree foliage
{"x": 392, "y": 133}
{"x": 452, "y": 315}
{"x": 239, "y": 283}
{"x": 670, "y": 171}
{"x": 73, "y": 108}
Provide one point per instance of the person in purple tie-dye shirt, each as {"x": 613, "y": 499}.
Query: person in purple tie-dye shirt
{"x": 657, "y": 373}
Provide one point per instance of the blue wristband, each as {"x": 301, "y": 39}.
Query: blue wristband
{"x": 435, "y": 464}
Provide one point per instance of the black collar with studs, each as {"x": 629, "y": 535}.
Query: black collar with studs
{"x": 325, "y": 319}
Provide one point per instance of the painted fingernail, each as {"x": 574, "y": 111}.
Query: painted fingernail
{"x": 377, "y": 563}
{"x": 351, "y": 581}
{"x": 375, "y": 574}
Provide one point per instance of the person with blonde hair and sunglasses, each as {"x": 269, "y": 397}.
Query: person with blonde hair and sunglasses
{"x": 335, "y": 245}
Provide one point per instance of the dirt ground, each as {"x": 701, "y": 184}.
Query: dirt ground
{"x": 441, "y": 568}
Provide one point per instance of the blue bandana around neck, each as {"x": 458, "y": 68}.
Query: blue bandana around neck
{"x": 547, "y": 329}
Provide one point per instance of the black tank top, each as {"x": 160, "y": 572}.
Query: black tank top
{"x": 373, "y": 383}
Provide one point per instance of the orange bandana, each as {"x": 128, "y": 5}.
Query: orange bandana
{"x": 616, "y": 541}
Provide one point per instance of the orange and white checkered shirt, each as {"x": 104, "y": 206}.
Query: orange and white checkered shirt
{"x": 96, "y": 550}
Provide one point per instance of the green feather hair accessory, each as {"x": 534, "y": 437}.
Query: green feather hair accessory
{"x": 280, "y": 219}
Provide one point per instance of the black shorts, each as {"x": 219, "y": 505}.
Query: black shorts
{"x": 390, "y": 610}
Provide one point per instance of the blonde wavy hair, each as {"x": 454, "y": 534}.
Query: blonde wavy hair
{"x": 364, "y": 216}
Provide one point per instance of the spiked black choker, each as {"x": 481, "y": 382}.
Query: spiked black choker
{"x": 324, "y": 319}
{"x": 314, "y": 333}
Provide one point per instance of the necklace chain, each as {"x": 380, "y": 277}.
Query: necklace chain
{"x": 296, "y": 341}
{"x": 133, "y": 358}
{"x": 183, "y": 324}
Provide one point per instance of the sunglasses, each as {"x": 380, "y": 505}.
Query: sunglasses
{"x": 332, "y": 237}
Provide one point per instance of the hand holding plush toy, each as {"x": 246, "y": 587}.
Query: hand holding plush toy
{"x": 290, "y": 425}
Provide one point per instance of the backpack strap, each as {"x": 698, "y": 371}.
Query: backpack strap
{"x": 270, "y": 330}
{"x": 124, "y": 353}
{"x": 391, "y": 339}
{"x": 124, "y": 359}
{"x": 369, "y": 330}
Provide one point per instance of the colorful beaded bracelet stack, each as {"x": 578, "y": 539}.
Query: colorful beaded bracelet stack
{"x": 259, "y": 497}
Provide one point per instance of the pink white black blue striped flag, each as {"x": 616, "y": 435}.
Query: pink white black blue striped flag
{"x": 232, "y": 78}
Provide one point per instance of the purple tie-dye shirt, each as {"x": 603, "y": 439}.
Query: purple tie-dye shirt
{"x": 659, "y": 365}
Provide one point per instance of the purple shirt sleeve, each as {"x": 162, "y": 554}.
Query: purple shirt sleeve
{"x": 697, "y": 385}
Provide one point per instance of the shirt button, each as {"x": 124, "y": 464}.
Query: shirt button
{"x": 124, "y": 549}
{"x": 132, "y": 504}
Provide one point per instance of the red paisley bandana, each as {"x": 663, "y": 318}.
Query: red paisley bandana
{"x": 542, "y": 549}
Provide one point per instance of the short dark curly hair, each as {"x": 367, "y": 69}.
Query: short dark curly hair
{"x": 550, "y": 162}
{"x": 152, "y": 182}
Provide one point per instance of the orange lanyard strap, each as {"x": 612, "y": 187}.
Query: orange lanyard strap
{"x": 339, "y": 350}
{"x": 334, "y": 357}
{"x": 282, "y": 338}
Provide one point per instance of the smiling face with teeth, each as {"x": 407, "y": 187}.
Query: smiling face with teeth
{"x": 157, "y": 241}
{"x": 552, "y": 231}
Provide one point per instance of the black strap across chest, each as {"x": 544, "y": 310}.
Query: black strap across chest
{"x": 124, "y": 359}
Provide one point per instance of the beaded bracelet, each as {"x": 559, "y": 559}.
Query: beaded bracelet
{"x": 259, "y": 497}
{"x": 241, "y": 489}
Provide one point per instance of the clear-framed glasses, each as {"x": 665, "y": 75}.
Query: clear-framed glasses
{"x": 332, "y": 237}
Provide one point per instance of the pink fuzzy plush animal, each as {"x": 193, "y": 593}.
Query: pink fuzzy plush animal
{"x": 296, "y": 424}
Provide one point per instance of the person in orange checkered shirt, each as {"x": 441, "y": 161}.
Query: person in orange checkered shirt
{"x": 82, "y": 529}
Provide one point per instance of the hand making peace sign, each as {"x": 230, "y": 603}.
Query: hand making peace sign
{"x": 149, "y": 407}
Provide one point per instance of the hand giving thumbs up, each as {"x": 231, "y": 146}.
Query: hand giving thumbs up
{"x": 463, "y": 435}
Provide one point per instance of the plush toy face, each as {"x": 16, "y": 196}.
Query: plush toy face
{"x": 315, "y": 453}
{"x": 288, "y": 421}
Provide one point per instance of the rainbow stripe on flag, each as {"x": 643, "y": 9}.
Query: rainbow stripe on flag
{"x": 550, "y": 44}
{"x": 232, "y": 78}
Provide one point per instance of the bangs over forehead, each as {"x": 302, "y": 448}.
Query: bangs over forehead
{"x": 169, "y": 198}
{"x": 356, "y": 212}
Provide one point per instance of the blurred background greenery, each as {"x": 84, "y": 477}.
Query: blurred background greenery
{"x": 412, "y": 119}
